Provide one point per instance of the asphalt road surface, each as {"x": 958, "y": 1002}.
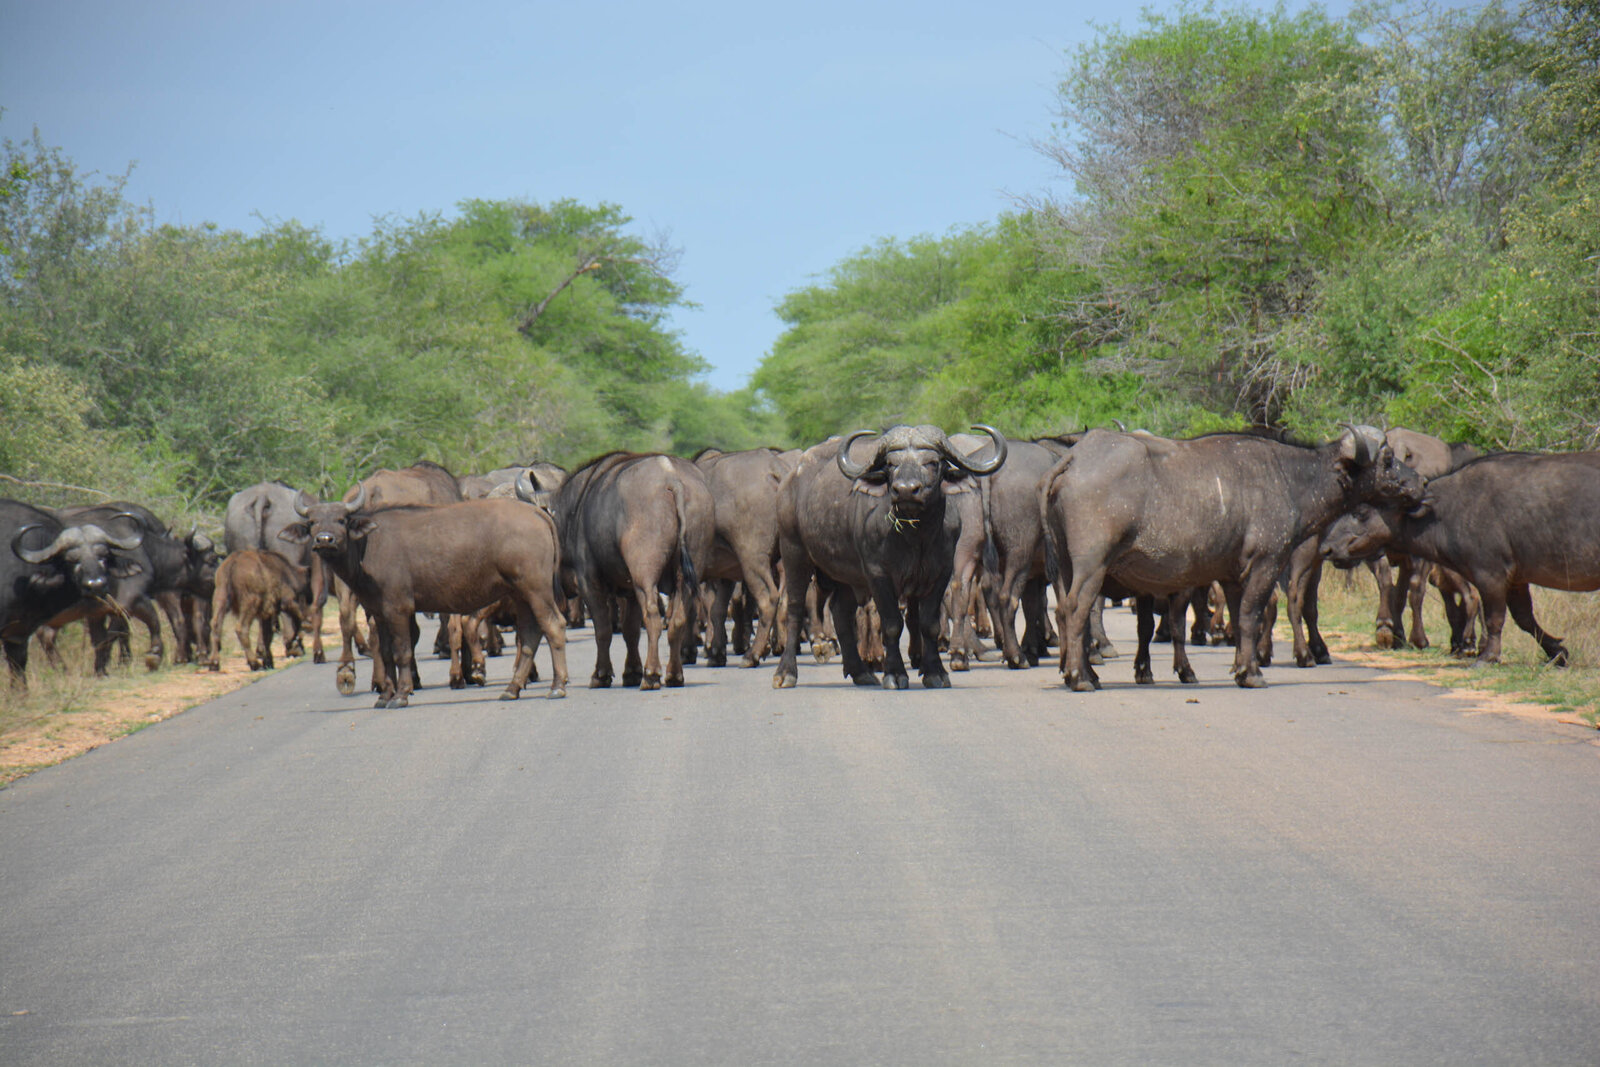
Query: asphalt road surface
{"x": 1338, "y": 869}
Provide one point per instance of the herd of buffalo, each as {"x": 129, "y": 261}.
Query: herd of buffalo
{"x": 847, "y": 543}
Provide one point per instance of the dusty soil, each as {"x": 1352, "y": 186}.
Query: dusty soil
{"x": 127, "y": 703}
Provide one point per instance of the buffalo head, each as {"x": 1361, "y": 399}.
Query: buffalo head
{"x": 1369, "y": 459}
{"x": 86, "y": 552}
{"x": 912, "y": 463}
{"x": 329, "y": 527}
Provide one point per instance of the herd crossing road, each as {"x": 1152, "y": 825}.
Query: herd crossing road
{"x": 1341, "y": 869}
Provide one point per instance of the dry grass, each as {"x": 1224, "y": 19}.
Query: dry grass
{"x": 66, "y": 713}
{"x": 1348, "y": 605}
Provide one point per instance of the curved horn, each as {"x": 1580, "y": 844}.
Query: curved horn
{"x": 1120, "y": 425}
{"x": 361, "y": 498}
{"x": 1363, "y": 455}
{"x": 302, "y": 506}
{"x": 35, "y": 556}
{"x": 991, "y": 465}
{"x": 525, "y": 488}
{"x": 848, "y": 467}
{"x": 127, "y": 544}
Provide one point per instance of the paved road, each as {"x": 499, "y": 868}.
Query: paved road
{"x": 1338, "y": 869}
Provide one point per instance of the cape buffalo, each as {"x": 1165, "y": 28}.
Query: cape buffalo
{"x": 744, "y": 489}
{"x": 1505, "y": 521}
{"x": 1161, "y": 516}
{"x": 875, "y": 522}
{"x": 637, "y": 526}
{"x": 47, "y": 567}
{"x": 454, "y": 558}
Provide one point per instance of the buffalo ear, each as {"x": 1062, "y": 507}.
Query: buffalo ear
{"x": 359, "y": 528}
{"x": 868, "y": 486}
{"x": 296, "y": 533}
{"x": 957, "y": 480}
{"x": 123, "y": 567}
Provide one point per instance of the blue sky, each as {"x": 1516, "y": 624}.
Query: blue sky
{"x": 766, "y": 143}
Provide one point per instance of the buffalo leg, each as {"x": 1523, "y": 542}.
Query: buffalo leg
{"x": 1079, "y": 605}
{"x": 1144, "y": 608}
{"x": 1255, "y": 590}
{"x": 1180, "y": 654}
{"x": 797, "y": 581}
{"x": 1415, "y": 572}
{"x": 632, "y": 610}
{"x": 761, "y": 598}
{"x": 922, "y": 614}
{"x": 1519, "y": 598}
{"x": 602, "y": 610}
{"x": 842, "y": 606}
{"x": 1494, "y": 621}
{"x": 345, "y": 679}
{"x": 717, "y": 623}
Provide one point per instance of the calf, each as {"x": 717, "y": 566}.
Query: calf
{"x": 258, "y": 586}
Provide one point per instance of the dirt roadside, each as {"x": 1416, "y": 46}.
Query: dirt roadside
{"x": 128, "y": 703}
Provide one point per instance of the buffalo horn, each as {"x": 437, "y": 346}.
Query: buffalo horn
{"x": 993, "y": 463}
{"x": 1363, "y": 455}
{"x": 302, "y": 506}
{"x": 127, "y": 544}
{"x": 35, "y": 556}
{"x": 525, "y": 487}
{"x": 1120, "y": 425}
{"x": 848, "y": 467}
{"x": 361, "y": 498}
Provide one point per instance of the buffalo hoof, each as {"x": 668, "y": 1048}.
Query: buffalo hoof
{"x": 1081, "y": 685}
{"x": 1304, "y": 659}
{"x": 750, "y": 660}
{"x": 1250, "y": 681}
{"x": 823, "y": 651}
{"x": 346, "y": 681}
{"x": 556, "y": 692}
{"x": 1017, "y": 664}
{"x": 457, "y": 682}
{"x": 936, "y": 681}
{"x": 631, "y": 679}
{"x": 1144, "y": 676}
{"x": 673, "y": 681}
{"x": 511, "y": 694}
{"x": 1107, "y": 649}
{"x": 713, "y": 659}
{"x": 152, "y": 660}
{"x": 319, "y": 657}
{"x": 865, "y": 678}
{"x": 958, "y": 662}
{"x": 1186, "y": 677}
{"x": 1386, "y": 639}
{"x": 1094, "y": 656}
{"x": 649, "y": 683}
{"x": 1558, "y": 658}
{"x": 783, "y": 681}
{"x": 600, "y": 681}
{"x": 1321, "y": 656}
{"x": 896, "y": 681}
